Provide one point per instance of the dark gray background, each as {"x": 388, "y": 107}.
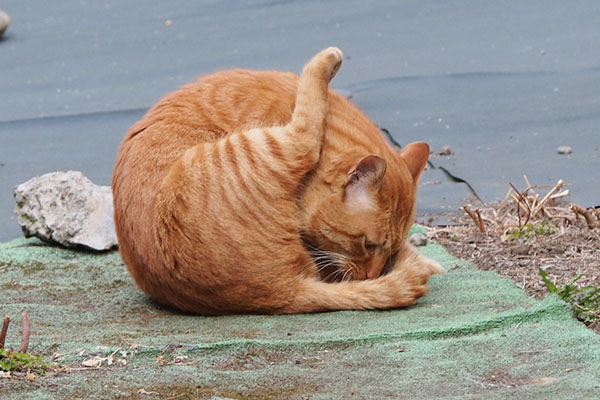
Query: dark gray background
{"x": 503, "y": 83}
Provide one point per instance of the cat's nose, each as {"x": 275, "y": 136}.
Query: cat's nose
{"x": 373, "y": 274}
{"x": 374, "y": 270}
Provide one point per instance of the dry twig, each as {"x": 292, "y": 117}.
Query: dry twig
{"x": 476, "y": 218}
{"x": 578, "y": 210}
{"x": 123, "y": 339}
{"x": 4, "y": 329}
{"x": 527, "y": 182}
{"x": 521, "y": 200}
{"x": 481, "y": 226}
{"x": 596, "y": 212}
{"x": 564, "y": 193}
{"x": 541, "y": 204}
{"x": 587, "y": 310}
{"x": 26, "y": 329}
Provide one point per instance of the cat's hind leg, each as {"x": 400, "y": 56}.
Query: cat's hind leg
{"x": 312, "y": 96}
{"x": 304, "y": 133}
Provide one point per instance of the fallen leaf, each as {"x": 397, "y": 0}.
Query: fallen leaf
{"x": 30, "y": 376}
{"x": 542, "y": 381}
{"x": 96, "y": 362}
{"x": 144, "y": 391}
{"x": 180, "y": 359}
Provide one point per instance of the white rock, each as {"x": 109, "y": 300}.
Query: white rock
{"x": 68, "y": 209}
{"x": 4, "y": 22}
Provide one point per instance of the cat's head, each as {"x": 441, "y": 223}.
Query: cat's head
{"x": 356, "y": 223}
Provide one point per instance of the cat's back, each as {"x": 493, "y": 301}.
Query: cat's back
{"x": 221, "y": 103}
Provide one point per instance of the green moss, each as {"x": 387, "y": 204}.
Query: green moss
{"x": 32, "y": 267}
{"x": 246, "y": 333}
{"x": 15, "y": 286}
{"x": 68, "y": 267}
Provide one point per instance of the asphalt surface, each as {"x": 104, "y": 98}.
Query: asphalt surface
{"x": 503, "y": 84}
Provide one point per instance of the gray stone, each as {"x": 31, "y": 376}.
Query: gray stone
{"x": 418, "y": 239}
{"x": 68, "y": 209}
{"x": 4, "y": 22}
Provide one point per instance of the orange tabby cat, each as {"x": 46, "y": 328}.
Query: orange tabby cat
{"x": 263, "y": 192}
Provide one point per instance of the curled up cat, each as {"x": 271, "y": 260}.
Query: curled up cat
{"x": 265, "y": 192}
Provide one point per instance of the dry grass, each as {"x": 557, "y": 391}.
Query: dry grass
{"x": 530, "y": 229}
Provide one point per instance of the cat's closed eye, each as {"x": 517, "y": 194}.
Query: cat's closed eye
{"x": 369, "y": 245}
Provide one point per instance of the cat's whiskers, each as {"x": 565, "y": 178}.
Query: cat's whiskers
{"x": 346, "y": 275}
{"x": 326, "y": 259}
{"x": 333, "y": 275}
{"x": 321, "y": 267}
{"x": 318, "y": 254}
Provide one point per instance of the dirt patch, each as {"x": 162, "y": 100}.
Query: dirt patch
{"x": 516, "y": 244}
{"x": 501, "y": 378}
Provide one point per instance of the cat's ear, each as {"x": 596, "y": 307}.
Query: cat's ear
{"x": 364, "y": 180}
{"x": 415, "y": 156}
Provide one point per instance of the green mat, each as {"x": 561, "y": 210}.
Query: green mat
{"x": 474, "y": 336}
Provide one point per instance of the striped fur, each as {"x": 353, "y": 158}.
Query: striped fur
{"x": 263, "y": 192}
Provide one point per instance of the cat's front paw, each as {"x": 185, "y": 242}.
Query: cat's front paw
{"x": 410, "y": 285}
{"x": 326, "y": 63}
{"x": 434, "y": 266}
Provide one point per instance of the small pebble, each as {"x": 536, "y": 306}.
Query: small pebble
{"x": 4, "y": 22}
{"x": 564, "y": 150}
{"x": 445, "y": 151}
{"x": 418, "y": 239}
